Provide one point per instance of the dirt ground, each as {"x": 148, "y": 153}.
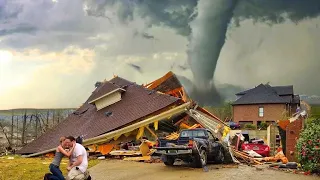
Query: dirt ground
{"x": 124, "y": 170}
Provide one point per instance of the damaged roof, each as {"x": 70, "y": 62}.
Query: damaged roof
{"x": 137, "y": 102}
{"x": 103, "y": 89}
{"x": 169, "y": 84}
{"x": 266, "y": 94}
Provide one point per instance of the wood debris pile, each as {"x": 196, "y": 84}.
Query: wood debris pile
{"x": 175, "y": 135}
{"x": 134, "y": 141}
{"x": 245, "y": 158}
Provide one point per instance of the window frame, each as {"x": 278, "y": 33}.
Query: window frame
{"x": 210, "y": 134}
{"x": 261, "y": 112}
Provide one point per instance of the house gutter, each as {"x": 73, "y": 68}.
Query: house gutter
{"x": 108, "y": 136}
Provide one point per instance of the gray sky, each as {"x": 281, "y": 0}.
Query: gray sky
{"x": 52, "y": 53}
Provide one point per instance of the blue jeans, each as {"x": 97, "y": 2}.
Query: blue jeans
{"x": 56, "y": 173}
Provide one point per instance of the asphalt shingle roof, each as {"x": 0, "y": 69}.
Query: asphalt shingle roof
{"x": 266, "y": 94}
{"x": 281, "y": 90}
{"x": 103, "y": 89}
{"x": 137, "y": 102}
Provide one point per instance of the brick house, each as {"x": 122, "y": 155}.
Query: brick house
{"x": 264, "y": 103}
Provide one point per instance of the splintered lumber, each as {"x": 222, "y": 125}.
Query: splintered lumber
{"x": 245, "y": 157}
{"x": 151, "y": 152}
{"x": 143, "y": 158}
{"x": 172, "y": 136}
{"x": 105, "y": 149}
{"x": 144, "y": 149}
{"x": 125, "y": 153}
{"x": 175, "y": 135}
{"x": 152, "y": 132}
{"x": 195, "y": 126}
{"x": 184, "y": 126}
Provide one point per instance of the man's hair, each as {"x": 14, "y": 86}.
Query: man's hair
{"x": 71, "y": 138}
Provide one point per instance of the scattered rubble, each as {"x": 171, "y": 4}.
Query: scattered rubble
{"x": 136, "y": 139}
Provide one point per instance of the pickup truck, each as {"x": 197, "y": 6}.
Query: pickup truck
{"x": 195, "y": 146}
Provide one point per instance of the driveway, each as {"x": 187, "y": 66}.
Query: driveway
{"x": 125, "y": 170}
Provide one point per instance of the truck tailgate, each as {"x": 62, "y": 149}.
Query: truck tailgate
{"x": 174, "y": 151}
{"x": 173, "y": 148}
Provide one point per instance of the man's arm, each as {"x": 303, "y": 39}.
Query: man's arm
{"x": 77, "y": 163}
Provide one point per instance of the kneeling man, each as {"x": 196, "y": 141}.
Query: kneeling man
{"x": 78, "y": 163}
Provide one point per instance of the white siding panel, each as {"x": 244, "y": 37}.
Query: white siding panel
{"x": 108, "y": 100}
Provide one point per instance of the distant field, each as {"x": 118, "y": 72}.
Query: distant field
{"x": 29, "y": 168}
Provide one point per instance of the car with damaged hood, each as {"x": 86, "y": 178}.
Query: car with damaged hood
{"x": 194, "y": 146}
{"x": 256, "y": 145}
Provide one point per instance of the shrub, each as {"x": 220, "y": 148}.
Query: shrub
{"x": 250, "y": 126}
{"x": 308, "y": 146}
{"x": 263, "y": 125}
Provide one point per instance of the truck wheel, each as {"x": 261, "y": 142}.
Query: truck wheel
{"x": 200, "y": 159}
{"x": 169, "y": 162}
{"x": 220, "y": 157}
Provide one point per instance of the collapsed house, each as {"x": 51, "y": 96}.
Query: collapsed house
{"x": 121, "y": 111}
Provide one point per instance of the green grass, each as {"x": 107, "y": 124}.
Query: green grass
{"x": 30, "y": 168}
{"x": 315, "y": 111}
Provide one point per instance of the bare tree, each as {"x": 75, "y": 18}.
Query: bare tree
{"x": 48, "y": 113}
{"x": 39, "y": 122}
{"x": 5, "y": 134}
{"x": 17, "y": 118}
{"x": 58, "y": 116}
{"x": 12, "y": 118}
{"x": 53, "y": 114}
{"x": 24, "y": 127}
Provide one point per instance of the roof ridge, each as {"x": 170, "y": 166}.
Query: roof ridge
{"x": 115, "y": 77}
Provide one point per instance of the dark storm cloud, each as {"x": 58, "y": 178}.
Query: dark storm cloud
{"x": 209, "y": 23}
{"x": 22, "y": 29}
{"x": 136, "y": 67}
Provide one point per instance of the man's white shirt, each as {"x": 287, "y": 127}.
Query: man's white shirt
{"x": 79, "y": 150}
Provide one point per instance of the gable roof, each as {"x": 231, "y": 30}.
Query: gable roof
{"x": 137, "y": 102}
{"x": 280, "y": 90}
{"x": 266, "y": 94}
{"x": 284, "y": 90}
{"x": 104, "y": 88}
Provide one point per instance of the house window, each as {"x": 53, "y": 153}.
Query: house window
{"x": 260, "y": 111}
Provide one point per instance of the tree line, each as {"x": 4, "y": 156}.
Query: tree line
{"x": 22, "y": 126}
